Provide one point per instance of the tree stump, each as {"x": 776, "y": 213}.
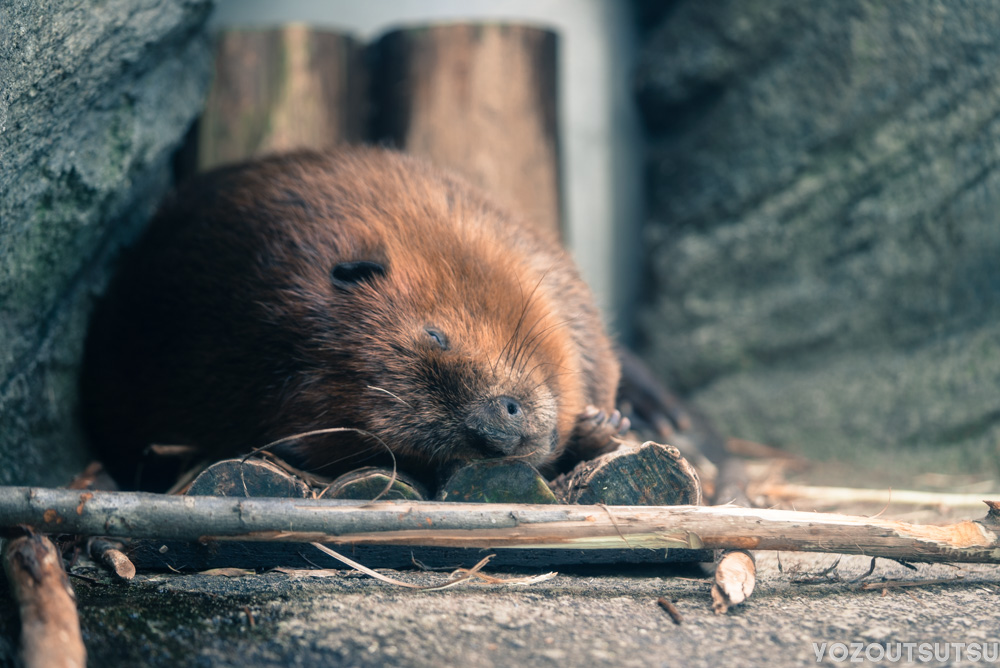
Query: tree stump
{"x": 479, "y": 99}
{"x": 496, "y": 481}
{"x": 277, "y": 90}
{"x": 646, "y": 475}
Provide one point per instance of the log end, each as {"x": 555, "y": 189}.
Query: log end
{"x": 650, "y": 474}
{"x": 496, "y": 481}
{"x": 250, "y": 477}
{"x": 372, "y": 482}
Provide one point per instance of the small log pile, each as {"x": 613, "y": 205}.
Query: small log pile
{"x": 649, "y": 474}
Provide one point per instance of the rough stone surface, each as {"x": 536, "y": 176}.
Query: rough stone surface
{"x": 591, "y": 618}
{"x": 824, "y": 222}
{"x": 94, "y": 96}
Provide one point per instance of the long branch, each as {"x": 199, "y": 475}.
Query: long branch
{"x": 140, "y": 515}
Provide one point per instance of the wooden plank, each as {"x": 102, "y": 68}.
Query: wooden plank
{"x": 479, "y": 99}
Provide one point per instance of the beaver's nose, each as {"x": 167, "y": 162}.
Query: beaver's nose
{"x": 496, "y": 425}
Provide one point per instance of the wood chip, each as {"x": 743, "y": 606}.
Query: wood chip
{"x": 735, "y": 579}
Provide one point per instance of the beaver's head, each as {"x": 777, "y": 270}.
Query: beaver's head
{"x": 428, "y": 332}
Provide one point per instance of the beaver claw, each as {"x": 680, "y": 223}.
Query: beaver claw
{"x": 597, "y": 432}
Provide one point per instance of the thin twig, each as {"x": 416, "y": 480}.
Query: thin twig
{"x": 671, "y": 610}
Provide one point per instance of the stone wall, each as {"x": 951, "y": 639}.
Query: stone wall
{"x": 94, "y": 98}
{"x": 823, "y": 227}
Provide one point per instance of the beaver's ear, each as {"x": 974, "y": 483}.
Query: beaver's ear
{"x": 347, "y": 275}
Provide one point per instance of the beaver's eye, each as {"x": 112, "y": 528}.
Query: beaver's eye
{"x": 438, "y": 337}
{"x": 346, "y": 275}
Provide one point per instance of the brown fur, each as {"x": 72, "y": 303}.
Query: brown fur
{"x": 224, "y": 329}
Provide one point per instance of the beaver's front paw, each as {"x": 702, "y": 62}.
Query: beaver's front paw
{"x": 597, "y": 432}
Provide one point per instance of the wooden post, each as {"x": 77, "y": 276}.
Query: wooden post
{"x": 282, "y": 89}
{"x": 479, "y": 99}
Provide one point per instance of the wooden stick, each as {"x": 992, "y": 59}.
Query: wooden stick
{"x": 110, "y": 554}
{"x": 671, "y": 610}
{"x": 142, "y": 515}
{"x": 50, "y": 627}
{"x": 841, "y": 495}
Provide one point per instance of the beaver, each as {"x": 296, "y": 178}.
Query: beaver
{"x": 360, "y": 289}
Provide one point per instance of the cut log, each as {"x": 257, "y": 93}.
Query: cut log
{"x": 50, "y": 626}
{"x": 479, "y": 99}
{"x": 277, "y": 90}
{"x": 496, "y": 481}
{"x": 372, "y": 482}
{"x": 247, "y": 477}
{"x": 649, "y": 474}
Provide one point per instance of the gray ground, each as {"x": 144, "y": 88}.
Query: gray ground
{"x": 608, "y": 618}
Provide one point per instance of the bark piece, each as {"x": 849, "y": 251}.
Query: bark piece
{"x": 496, "y": 481}
{"x": 249, "y": 477}
{"x": 649, "y": 474}
{"x": 373, "y": 482}
{"x": 281, "y": 89}
{"x": 479, "y": 99}
{"x": 50, "y": 626}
